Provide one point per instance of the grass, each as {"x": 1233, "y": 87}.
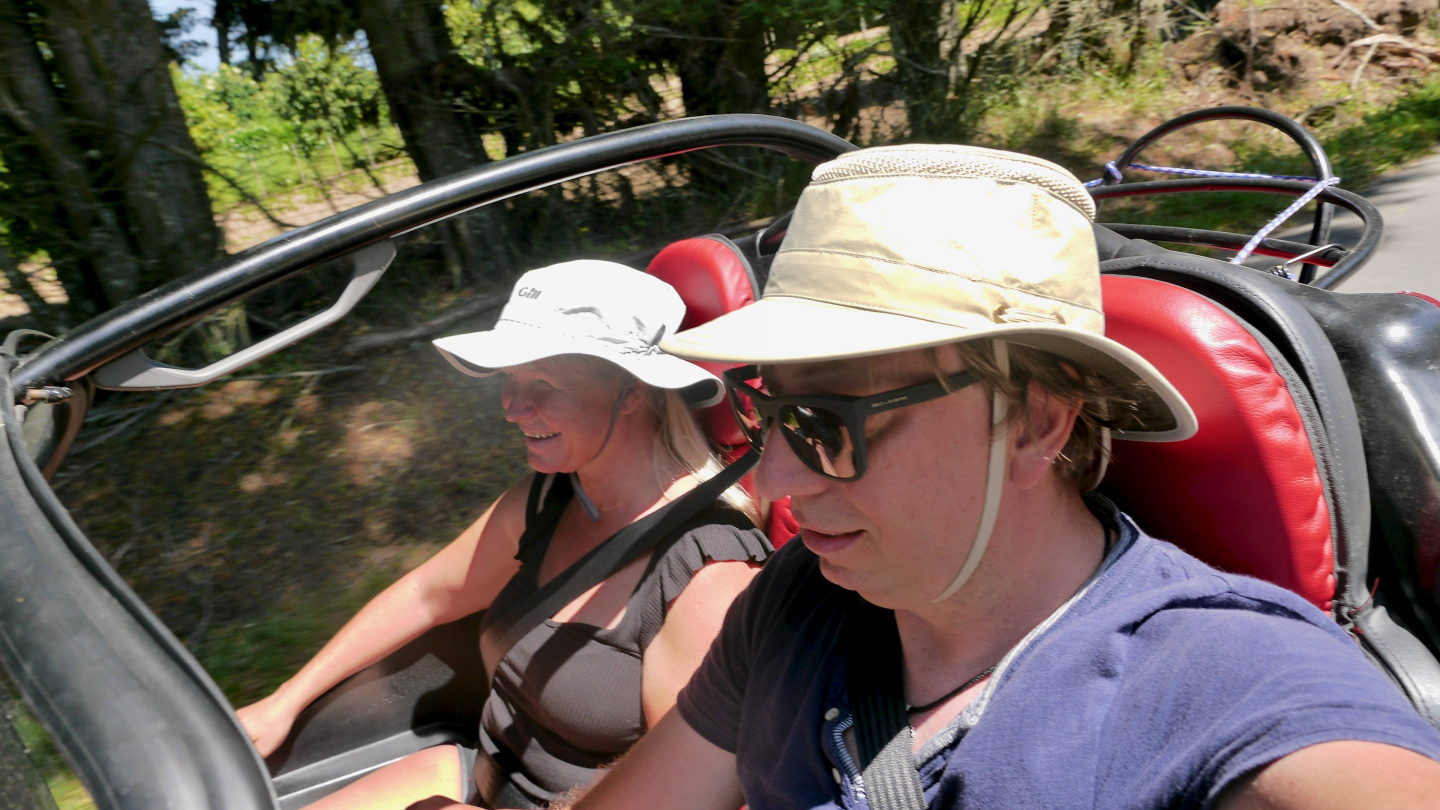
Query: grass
{"x": 251, "y": 659}
{"x": 64, "y": 787}
{"x": 825, "y": 61}
{"x": 275, "y": 172}
{"x": 283, "y": 505}
{"x": 1361, "y": 146}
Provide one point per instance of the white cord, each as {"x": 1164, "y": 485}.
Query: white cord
{"x": 994, "y": 480}
{"x": 591, "y": 511}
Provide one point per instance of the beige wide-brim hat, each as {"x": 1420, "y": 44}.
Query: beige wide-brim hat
{"x": 906, "y": 247}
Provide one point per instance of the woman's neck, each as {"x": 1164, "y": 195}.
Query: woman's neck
{"x": 625, "y": 480}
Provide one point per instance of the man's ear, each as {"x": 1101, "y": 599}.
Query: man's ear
{"x": 1045, "y": 428}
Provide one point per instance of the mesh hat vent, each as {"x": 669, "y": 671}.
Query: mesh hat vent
{"x": 948, "y": 162}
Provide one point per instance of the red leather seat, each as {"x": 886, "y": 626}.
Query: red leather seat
{"x": 1245, "y": 494}
{"x": 713, "y": 277}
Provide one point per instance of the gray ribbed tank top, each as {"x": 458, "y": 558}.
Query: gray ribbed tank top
{"x": 565, "y": 699}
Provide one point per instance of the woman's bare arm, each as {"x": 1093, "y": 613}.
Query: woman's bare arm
{"x": 691, "y": 624}
{"x": 671, "y": 766}
{"x": 462, "y": 578}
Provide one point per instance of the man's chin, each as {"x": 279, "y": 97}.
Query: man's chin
{"x": 846, "y": 578}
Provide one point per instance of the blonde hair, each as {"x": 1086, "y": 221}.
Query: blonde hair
{"x": 681, "y": 444}
{"x": 680, "y": 441}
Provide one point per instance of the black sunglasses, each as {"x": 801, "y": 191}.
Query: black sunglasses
{"x": 827, "y": 431}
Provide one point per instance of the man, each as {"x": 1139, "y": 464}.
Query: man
{"x": 935, "y": 394}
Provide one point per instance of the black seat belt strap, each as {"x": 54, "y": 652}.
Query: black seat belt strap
{"x": 620, "y": 550}
{"x": 884, "y": 739}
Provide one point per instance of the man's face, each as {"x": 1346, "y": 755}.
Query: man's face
{"x": 898, "y": 534}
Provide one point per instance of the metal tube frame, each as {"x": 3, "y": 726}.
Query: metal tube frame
{"x": 179, "y": 302}
{"x": 1373, "y": 225}
{"x": 1319, "y": 161}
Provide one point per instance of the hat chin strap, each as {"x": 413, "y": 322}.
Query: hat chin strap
{"x": 994, "y": 480}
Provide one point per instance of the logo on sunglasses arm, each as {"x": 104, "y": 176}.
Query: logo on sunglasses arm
{"x": 890, "y": 401}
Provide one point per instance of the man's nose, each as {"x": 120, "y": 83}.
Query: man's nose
{"x": 781, "y": 472}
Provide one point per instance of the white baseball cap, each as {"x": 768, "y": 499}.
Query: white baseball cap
{"x": 596, "y": 308}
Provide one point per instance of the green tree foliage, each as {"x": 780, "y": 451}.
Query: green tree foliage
{"x": 326, "y": 96}
{"x": 324, "y": 92}
{"x": 555, "y": 69}
{"x": 312, "y": 88}
{"x": 233, "y": 123}
{"x": 560, "y": 67}
{"x": 320, "y": 114}
{"x": 470, "y": 80}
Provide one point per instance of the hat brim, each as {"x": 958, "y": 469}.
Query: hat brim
{"x": 783, "y": 329}
{"x": 481, "y": 354}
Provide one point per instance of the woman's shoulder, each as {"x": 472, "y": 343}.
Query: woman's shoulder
{"x": 718, "y": 534}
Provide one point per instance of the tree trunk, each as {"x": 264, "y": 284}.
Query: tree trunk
{"x": 720, "y": 60}
{"x": 54, "y": 203}
{"x": 717, "y": 50}
{"x": 334, "y": 153}
{"x": 425, "y": 80}
{"x": 365, "y": 139}
{"x": 117, "y": 87}
{"x": 922, "y": 70}
{"x": 220, "y": 20}
{"x": 254, "y": 169}
{"x": 299, "y": 166}
{"x": 1114, "y": 30}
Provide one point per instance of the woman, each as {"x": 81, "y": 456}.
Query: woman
{"x": 611, "y": 439}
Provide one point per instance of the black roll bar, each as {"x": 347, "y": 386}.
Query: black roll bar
{"x": 1373, "y": 225}
{"x": 1319, "y": 161}
{"x": 179, "y": 302}
{"x": 1234, "y": 242}
{"x": 129, "y": 707}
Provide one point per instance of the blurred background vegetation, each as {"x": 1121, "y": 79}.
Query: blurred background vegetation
{"x": 140, "y": 143}
{"x": 124, "y": 163}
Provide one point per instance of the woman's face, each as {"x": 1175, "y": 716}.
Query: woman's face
{"x": 564, "y": 415}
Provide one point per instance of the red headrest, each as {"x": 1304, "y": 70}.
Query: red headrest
{"x": 713, "y": 278}
{"x": 711, "y": 274}
{"x": 1245, "y": 493}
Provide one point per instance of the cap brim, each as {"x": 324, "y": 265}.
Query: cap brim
{"x": 781, "y": 329}
{"x": 481, "y": 354}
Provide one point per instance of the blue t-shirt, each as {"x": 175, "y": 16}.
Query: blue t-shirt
{"x": 1158, "y": 684}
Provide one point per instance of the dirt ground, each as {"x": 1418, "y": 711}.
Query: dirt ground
{"x": 245, "y": 225}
